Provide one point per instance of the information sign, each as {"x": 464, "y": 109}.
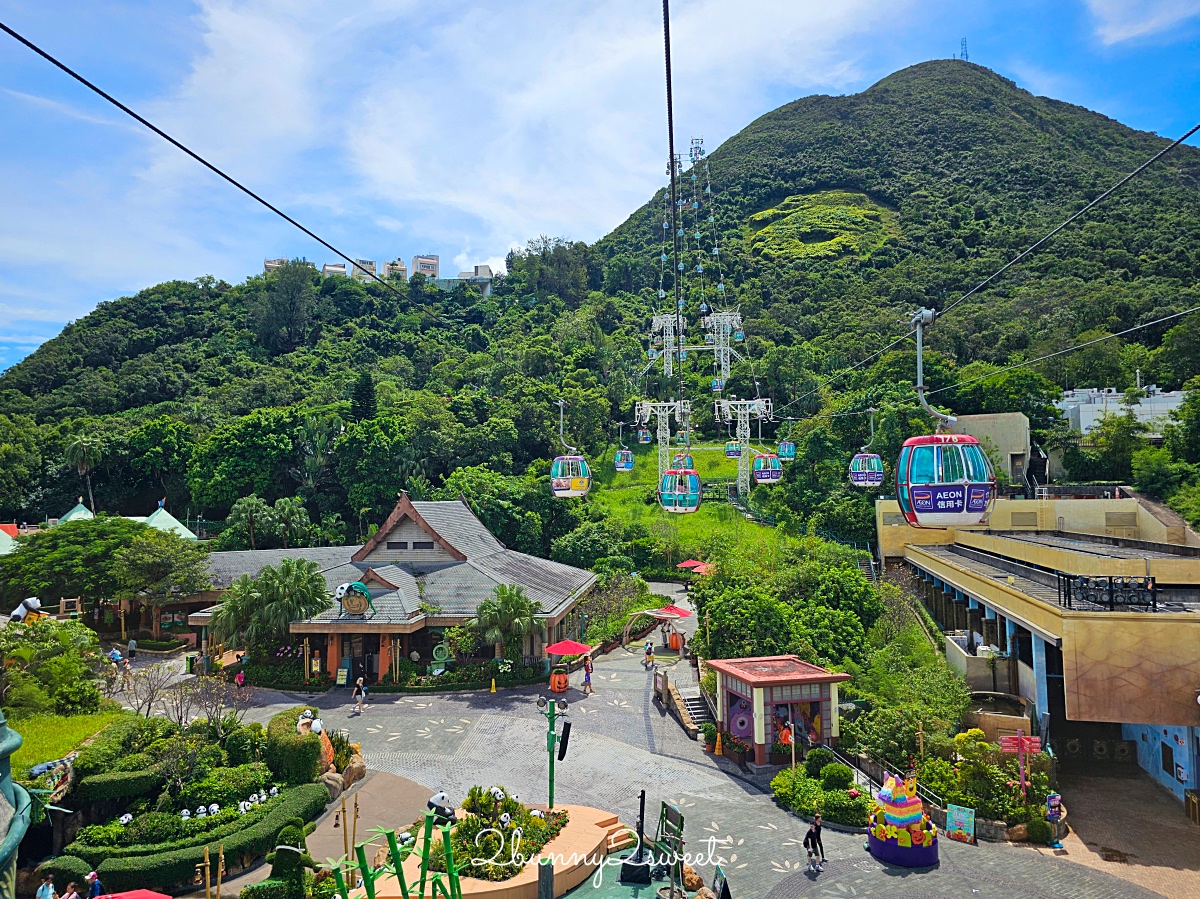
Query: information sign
{"x": 960, "y": 823}
{"x": 343, "y": 677}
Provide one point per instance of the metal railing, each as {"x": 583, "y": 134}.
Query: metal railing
{"x": 1112, "y": 594}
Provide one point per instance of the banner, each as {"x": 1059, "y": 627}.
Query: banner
{"x": 960, "y": 823}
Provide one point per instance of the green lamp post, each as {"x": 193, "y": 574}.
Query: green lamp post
{"x": 551, "y": 709}
{"x": 14, "y": 811}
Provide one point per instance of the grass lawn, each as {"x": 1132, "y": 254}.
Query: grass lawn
{"x": 623, "y": 494}
{"x": 49, "y": 737}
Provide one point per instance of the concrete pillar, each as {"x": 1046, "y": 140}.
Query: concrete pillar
{"x": 333, "y": 654}
{"x": 721, "y": 725}
{"x": 1039, "y": 674}
{"x": 989, "y": 613}
{"x": 760, "y": 725}
{"x": 1009, "y": 630}
{"x": 971, "y": 603}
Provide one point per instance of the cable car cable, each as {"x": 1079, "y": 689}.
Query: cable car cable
{"x": 214, "y": 169}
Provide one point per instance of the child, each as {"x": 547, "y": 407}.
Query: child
{"x": 587, "y": 675}
{"x": 649, "y": 661}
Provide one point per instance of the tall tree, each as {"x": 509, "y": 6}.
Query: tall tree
{"x": 85, "y": 452}
{"x": 159, "y": 567}
{"x": 257, "y": 612}
{"x": 251, "y": 519}
{"x": 363, "y": 405}
{"x": 284, "y": 311}
{"x": 507, "y": 617}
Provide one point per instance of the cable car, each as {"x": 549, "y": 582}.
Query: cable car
{"x": 683, "y": 438}
{"x": 767, "y": 468}
{"x": 679, "y": 491}
{"x": 866, "y": 470}
{"x": 710, "y": 339}
{"x": 787, "y": 451}
{"x": 717, "y": 385}
{"x": 682, "y": 460}
{"x": 733, "y": 450}
{"x": 570, "y": 476}
{"x": 944, "y": 480}
{"x": 643, "y": 435}
{"x": 738, "y": 335}
{"x": 623, "y": 460}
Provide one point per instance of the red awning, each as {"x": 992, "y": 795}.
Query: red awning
{"x": 675, "y": 610}
{"x": 568, "y": 648}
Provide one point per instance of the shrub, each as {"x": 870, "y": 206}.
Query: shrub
{"x": 25, "y": 698}
{"x": 710, "y": 732}
{"x": 836, "y": 776}
{"x": 81, "y": 698}
{"x": 119, "y": 785}
{"x": 1038, "y": 830}
{"x": 840, "y": 807}
{"x": 816, "y": 760}
{"x": 293, "y": 758}
{"x": 807, "y": 796}
{"x": 65, "y": 868}
{"x": 782, "y": 787}
{"x": 730, "y": 743}
{"x": 161, "y": 645}
{"x": 226, "y": 786}
{"x": 245, "y": 744}
{"x": 164, "y": 870}
{"x": 266, "y": 889}
{"x": 118, "y": 741}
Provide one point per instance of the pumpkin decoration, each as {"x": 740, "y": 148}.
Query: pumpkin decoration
{"x": 559, "y": 680}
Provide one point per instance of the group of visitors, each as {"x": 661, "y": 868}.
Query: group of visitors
{"x": 93, "y": 888}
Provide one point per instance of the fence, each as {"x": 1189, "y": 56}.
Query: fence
{"x": 1113, "y": 594}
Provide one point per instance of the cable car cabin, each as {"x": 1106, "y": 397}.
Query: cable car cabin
{"x": 623, "y": 460}
{"x": 738, "y": 335}
{"x": 570, "y": 476}
{"x": 717, "y": 385}
{"x": 643, "y": 435}
{"x": 866, "y": 470}
{"x": 787, "y": 451}
{"x": 733, "y": 450}
{"x": 679, "y": 491}
{"x": 682, "y": 460}
{"x": 683, "y": 438}
{"x": 767, "y": 468}
{"x": 944, "y": 480}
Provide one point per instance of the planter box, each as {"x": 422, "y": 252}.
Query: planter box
{"x": 734, "y": 756}
{"x": 782, "y": 758}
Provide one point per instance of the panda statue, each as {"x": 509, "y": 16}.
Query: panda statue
{"x": 505, "y": 819}
{"x": 185, "y": 815}
{"x": 26, "y": 606}
{"x": 443, "y": 811}
{"x": 213, "y": 809}
{"x": 125, "y": 819}
{"x": 537, "y": 813}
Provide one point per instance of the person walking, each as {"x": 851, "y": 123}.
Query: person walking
{"x": 46, "y": 890}
{"x": 587, "y": 675}
{"x": 72, "y": 891}
{"x": 95, "y": 887}
{"x": 132, "y": 648}
{"x": 812, "y": 843}
{"x": 360, "y": 693}
{"x": 648, "y": 662}
{"x": 240, "y": 680}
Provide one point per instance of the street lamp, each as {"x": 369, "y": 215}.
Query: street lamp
{"x": 551, "y": 709}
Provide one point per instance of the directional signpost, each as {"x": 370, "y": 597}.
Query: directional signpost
{"x": 1021, "y": 744}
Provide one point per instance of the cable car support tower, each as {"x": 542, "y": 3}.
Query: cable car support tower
{"x": 740, "y": 411}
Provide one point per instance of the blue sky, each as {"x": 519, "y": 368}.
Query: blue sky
{"x": 395, "y": 127}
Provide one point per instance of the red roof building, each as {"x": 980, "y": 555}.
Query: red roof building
{"x": 763, "y": 700}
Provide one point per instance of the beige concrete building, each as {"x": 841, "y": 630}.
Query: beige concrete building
{"x": 270, "y": 265}
{"x": 363, "y": 270}
{"x": 429, "y": 266}
{"x": 1004, "y": 437}
{"x": 395, "y": 269}
{"x": 333, "y": 268}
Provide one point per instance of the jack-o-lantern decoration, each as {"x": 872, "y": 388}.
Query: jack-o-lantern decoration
{"x": 559, "y": 680}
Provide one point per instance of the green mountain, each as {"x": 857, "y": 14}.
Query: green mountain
{"x": 835, "y": 216}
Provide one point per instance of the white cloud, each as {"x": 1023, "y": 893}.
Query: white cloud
{"x": 1123, "y": 20}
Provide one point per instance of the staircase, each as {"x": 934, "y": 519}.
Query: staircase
{"x": 698, "y": 710}
{"x": 618, "y": 836}
{"x": 867, "y": 567}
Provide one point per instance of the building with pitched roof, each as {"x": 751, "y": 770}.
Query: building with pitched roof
{"x": 427, "y": 568}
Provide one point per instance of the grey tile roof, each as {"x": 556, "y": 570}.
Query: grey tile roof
{"x": 459, "y": 526}
{"x": 226, "y": 567}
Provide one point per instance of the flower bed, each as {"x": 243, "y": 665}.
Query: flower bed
{"x": 808, "y": 796}
{"x": 982, "y": 777}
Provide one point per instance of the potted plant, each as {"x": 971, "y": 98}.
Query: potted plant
{"x": 733, "y": 748}
{"x": 781, "y": 754}
{"x": 709, "y": 730}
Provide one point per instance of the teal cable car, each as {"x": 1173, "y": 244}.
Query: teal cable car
{"x": 679, "y": 491}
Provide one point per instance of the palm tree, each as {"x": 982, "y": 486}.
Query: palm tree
{"x": 233, "y": 621}
{"x": 292, "y": 592}
{"x": 85, "y": 451}
{"x": 507, "y": 617}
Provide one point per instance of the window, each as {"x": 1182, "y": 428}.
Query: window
{"x": 397, "y": 544}
{"x": 1168, "y": 759}
{"x": 977, "y": 464}
{"x": 922, "y": 465}
{"x": 422, "y": 544}
{"x": 952, "y": 465}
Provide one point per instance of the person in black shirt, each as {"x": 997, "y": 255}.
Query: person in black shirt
{"x": 816, "y": 851}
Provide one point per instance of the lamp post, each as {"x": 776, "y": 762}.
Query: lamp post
{"x": 551, "y": 709}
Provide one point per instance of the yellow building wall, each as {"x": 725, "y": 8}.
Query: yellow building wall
{"x": 1132, "y": 668}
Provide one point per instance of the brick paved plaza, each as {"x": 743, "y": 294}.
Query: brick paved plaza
{"x": 621, "y": 742}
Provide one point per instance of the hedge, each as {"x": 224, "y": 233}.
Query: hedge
{"x": 226, "y": 786}
{"x": 118, "y": 785}
{"x": 161, "y": 645}
{"x": 165, "y": 870}
{"x": 266, "y": 889}
{"x": 292, "y": 757}
{"x": 66, "y": 868}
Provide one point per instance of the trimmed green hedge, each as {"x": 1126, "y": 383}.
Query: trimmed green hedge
{"x": 161, "y": 645}
{"x": 293, "y": 759}
{"x": 226, "y": 786}
{"x": 66, "y": 868}
{"x": 166, "y": 870}
{"x": 266, "y": 889}
{"x": 118, "y": 785}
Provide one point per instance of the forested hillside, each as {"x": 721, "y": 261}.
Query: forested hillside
{"x": 836, "y": 217}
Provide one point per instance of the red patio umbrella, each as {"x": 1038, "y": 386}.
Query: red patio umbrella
{"x": 136, "y": 894}
{"x": 675, "y": 610}
{"x": 690, "y": 563}
{"x": 568, "y": 648}
{"x": 703, "y": 568}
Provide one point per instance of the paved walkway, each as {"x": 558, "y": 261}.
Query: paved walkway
{"x": 622, "y": 742}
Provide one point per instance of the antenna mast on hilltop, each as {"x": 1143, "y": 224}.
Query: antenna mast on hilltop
{"x": 962, "y": 53}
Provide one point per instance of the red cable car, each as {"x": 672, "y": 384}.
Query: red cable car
{"x": 944, "y": 480}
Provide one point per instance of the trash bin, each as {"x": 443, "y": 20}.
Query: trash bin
{"x": 191, "y": 663}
